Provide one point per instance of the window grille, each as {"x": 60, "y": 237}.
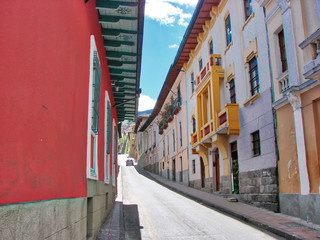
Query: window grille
{"x": 256, "y": 143}
{"x": 96, "y": 85}
{"x": 254, "y": 76}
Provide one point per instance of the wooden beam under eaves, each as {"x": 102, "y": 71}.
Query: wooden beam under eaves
{"x": 120, "y": 54}
{"x": 119, "y": 63}
{"x": 116, "y": 32}
{"x": 102, "y": 4}
{"x": 117, "y": 43}
{"x": 119, "y": 71}
{"x": 114, "y": 19}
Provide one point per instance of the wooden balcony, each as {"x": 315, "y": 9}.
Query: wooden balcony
{"x": 226, "y": 122}
{"x": 214, "y": 62}
{"x": 194, "y": 138}
{"x": 229, "y": 117}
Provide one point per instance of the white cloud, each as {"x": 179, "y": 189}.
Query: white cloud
{"x": 166, "y": 12}
{"x": 146, "y": 103}
{"x": 174, "y": 46}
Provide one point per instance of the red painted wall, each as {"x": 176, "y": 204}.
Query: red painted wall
{"x": 44, "y": 66}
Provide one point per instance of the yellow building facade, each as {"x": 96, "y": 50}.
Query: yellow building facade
{"x": 294, "y": 39}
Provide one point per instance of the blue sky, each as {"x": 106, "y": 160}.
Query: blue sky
{"x": 164, "y": 26}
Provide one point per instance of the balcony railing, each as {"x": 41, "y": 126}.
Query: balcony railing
{"x": 194, "y": 138}
{"x": 213, "y": 62}
{"x": 311, "y": 45}
{"x": 226, "y": 122}
{"x": 284, "y": 82}
{"x": 229, "y": 117}
{"x": 176, "y": 106}
{"x": 206, "y": 129}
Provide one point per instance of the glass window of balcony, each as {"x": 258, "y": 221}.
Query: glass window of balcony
{"x": 247, "y": 8}
{"x": 232, "y": 90}
{"x": 200, "y": 64}
{"x": 254, "y": 76}
{"x": 228, "y": 30}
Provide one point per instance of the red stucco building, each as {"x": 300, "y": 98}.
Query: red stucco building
{"x": 64, "y": 68}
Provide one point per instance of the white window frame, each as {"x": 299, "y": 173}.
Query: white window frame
{"x": 114, "y": 152}
{"x": 92, "y": 173}
{"x": 106, "y": 155}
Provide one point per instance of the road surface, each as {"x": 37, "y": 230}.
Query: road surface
{"x": 164, "y": 214}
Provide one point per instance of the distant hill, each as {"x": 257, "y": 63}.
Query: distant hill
{"x": 146, "y": 111}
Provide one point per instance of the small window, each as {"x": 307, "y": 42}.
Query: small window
{"x": 283, "y": 54}
{"x": 194, "y": 127}
{"x": 210, "y": 47}
{"x": 254, "y": 76}
{"x": 179, "y": 95}
{"x": 256, "y": 143}
{"x": 193, "y": 166}
{"x": 232, "y": 90}
{"x": 96, "y": 85}
{"x": 180, "y": 127}
{"x": 247, "y": 8}
{"x": 168, "y": 143}
{"x": 228, "y": 30}
{"x": 163, "y": 149}
{"x": 192, "y": 82}
{"x": 200, "y": 64}
{"x": 173, "y": 141}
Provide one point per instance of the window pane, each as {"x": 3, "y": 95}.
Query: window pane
{"x": 228, "y": 30}
{"x": 254, "y": 76}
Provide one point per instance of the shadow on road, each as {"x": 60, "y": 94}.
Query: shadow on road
{"x": 131, "y": 222}
{"x": 122, "y": 223}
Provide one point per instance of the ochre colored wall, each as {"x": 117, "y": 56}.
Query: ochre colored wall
{"x": 311, "y": 123}
{"x": 289, "y": 181}
{"x": 44, "y": 65}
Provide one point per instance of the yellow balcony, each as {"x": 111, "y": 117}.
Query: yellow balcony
{"x": 213, "y": 63}
{"x": 194, "y": 138}
{"x": 207, "y": 129}
{"x": 228, "y": 119}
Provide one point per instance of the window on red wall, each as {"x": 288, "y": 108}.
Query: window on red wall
{"x": 94, "y": 111}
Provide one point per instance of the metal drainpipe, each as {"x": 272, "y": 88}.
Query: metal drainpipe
{"x": 188, "y": 135}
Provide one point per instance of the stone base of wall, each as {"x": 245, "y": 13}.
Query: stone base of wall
{"x": 225, "y": 185}
{"x": 54, "y": 219}
{"x": 260, "y": 188}
{"x": 100, "y": 200}
{"x": 195, "y": 184}
{"x": 306, "y": 207}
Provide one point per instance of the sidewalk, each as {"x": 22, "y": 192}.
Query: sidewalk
{"x": 280, "y": 224}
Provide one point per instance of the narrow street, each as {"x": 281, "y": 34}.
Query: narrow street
{"x": 164, "y": 214}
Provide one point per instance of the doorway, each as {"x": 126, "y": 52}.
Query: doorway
{"x": 235, "y": 168}
{"x": 216, "y": 170}
{"x": 202, "y": 173}
{"x": 173, "y": 170}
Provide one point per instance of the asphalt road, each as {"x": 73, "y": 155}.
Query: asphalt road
{"x": 164, "y": 214}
